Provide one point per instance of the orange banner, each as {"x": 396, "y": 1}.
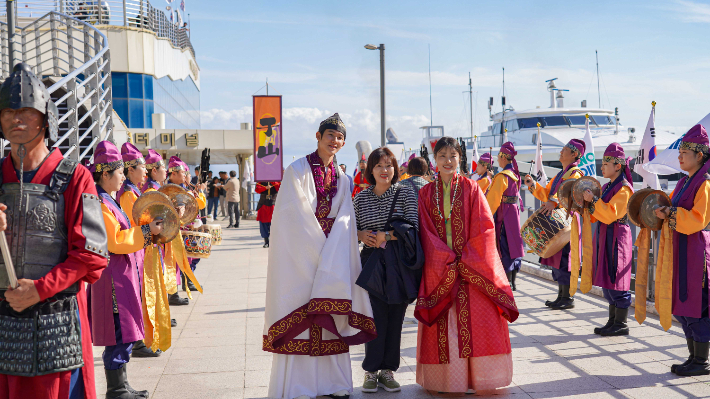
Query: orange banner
{"x": 268, "y": 151}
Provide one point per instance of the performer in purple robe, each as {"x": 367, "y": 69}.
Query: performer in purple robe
{"x": 613, "y": 244}
{"x": 484, "y": 170}
{"x": 155, "y": 170}
{"x": 560, "y": 262}
{"x": 689, "y": 216}
{"x": 503, "y": 198}
{"x": 116, "y": 313}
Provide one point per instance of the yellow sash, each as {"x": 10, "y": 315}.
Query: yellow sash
{"x": 664, "y": 277}
{"x": 176, "y": 255}
{"x": 574, "y": 257}
{"x": 508, "y": 173}
{"x": 643, "y": 243}
{"x": 587, "y": 252}
{"x": 156, "y": 312}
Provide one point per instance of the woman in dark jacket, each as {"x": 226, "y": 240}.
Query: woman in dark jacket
{"x": 386, "y": 253}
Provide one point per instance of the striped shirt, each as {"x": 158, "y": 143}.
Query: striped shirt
{"x": 371, "y": 211}
{"x": 416, "y": 183}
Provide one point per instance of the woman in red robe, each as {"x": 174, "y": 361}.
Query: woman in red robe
{"x": 465, "y": 302}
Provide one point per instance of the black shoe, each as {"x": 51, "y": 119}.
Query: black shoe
{"x": 514, "y": 274}
{"x": 140, "y": 350}
{"x": 566, "y": 301}
{"x": 229, "y": 227}
{"x": 691, "y": 350}
{"x": 559, "y": 296}
{"x": 619, "y": 327}
{"x": 117, "y": 386}
{"x": 175, "y": 300}
{"x": 612, "y": 313}
{"x": 173, "y": 323}
{"x": 191, "y": 286}
{"x": 236, "y": 226}
{"x": 699, "y": 365}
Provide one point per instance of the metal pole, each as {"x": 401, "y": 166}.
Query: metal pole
{"x": 189, "y": 27}
{"x": 470, "y": 100}
{"x": 10, "y": 4}
{"x": 125, "y": 19}
{"x": 382, "y": 93}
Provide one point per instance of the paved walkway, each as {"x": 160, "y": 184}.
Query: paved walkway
{"x": 217, "y": 353}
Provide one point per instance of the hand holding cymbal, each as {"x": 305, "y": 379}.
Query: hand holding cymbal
{"x": 662, "y": 212}
{"x": 588, "y": 195}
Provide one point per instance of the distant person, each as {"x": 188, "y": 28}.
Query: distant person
{"x": 359, "y": 182}
{"x": 484, "y": 172}
{"x": 417, "y": 169}
{"x": 223, "y": 194}
{"x": 403, "y": 175}
{"x": 352, "y": 183}
{"x": 265, "y": 207}
{"x": 213, "y": 197}
{"x": 232, "y": 188}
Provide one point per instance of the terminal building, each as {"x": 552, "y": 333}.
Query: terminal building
{"x": 123, "y": 71}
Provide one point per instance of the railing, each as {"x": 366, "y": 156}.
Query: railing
{"x": 131, "y": 13}
{"x": 73, "y": 59}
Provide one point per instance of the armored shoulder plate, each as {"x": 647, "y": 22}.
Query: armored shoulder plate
{"x": 61, "y": 178}
{"x": 92, "y": 225}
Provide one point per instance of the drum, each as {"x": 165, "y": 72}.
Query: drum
{"x": 216, "y": 231}
{"x": 197, "y": 244}
{"x": 545, "y": 235}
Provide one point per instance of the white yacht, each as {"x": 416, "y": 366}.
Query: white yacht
{"x": 559, "y": 124}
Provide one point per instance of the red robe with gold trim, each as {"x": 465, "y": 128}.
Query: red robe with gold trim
{"x": 464, "y": 294}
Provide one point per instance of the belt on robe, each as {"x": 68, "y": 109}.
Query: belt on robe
{"x": 507, "y": 199}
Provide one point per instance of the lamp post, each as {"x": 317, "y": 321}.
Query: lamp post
{"x": 382, "y": 88}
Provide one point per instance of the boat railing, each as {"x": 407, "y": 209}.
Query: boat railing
{"x": 72, "y": 57}
{"x": 140, "y": 14}
{"x": 495, "y": 139}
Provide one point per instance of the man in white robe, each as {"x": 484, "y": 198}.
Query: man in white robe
{"x": 314, "y": 310}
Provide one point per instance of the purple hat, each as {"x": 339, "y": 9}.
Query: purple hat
{"x": 509, "y": 150}
{"x": 615, "y": 153}
{"x": 696, "y": 140}
{"x": 414, "y": 155}
{"x": 106, "y": 157}
{"x": 153, "y": 160}
{"x": 485, "y": 159}
{"x": 176, "y": 164}
{"x": 131, "y": 155}
{"x": 405, "y": 165}
{"x": 577, "y": 145}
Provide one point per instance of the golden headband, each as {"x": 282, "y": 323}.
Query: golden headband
{"x": 620, "y": 161}
{"x": 135, "y": 162}
{"x": 100, "y": 167}
{"x": 697, "y": 147}
{"x": 154, "y": 165}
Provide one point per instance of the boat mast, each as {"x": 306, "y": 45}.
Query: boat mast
{"x": 599, "y": 92}
{"x": 502, "y": 121}
{"x": 431, "y": 112}
{"x": 470, "y": 100}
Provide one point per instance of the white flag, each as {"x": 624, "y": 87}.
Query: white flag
{"x": 666, "y": 163}
{"x": 246, "y": 176}
{"x": 588, "y": 164}
{"x": 475, "y": 157}
{"x": 647, "y": 152}
{"x": 538, "y": 167}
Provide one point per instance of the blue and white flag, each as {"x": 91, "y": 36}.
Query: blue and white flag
{"x": 647, "y": 152}
{"x": 666, "y": 163}
{"x": 182, "y": 5}
{"x": 475, "y": 157}
{"x": 588, "y": 164}
{"x": 538, "y": 167}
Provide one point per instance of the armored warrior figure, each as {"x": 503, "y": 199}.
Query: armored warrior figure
{"x": 52, "y": 219}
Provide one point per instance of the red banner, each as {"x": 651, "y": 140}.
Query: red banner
{"x": 268, "y": 149}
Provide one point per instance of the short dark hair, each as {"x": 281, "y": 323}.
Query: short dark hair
{"x": 342, "y": 165}
{"x": 233, "y": 173}
{"x": 197, "y": 168}
{"x": 448, "y": 142}
{"x": 374, "y": 158}
{"x": 418, "y": 167}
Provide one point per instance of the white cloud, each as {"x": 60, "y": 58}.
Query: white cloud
{"x": 693, "y": 12}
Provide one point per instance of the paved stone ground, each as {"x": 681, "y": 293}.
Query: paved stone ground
{"x": 217, "y": 353}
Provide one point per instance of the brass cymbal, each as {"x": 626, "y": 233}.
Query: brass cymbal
{"x": 653, "y": 200}
{"x": 152, "y": 205}
{"x": 564, "y": 194}
{"x": 634, "y": 205}
{"x": 583, "y": 184}
{"x": 181, "y": 197}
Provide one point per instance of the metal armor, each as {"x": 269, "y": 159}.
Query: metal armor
{"x": 36, "y": 232}
{"x": 44, "y": 338}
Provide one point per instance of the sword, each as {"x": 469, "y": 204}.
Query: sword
{"x": 7, "y": 258}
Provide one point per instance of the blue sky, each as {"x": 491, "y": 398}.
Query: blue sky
{"x": 312, "y": 53}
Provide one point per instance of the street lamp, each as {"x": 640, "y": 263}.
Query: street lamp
{"x": 382, "y": 88}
